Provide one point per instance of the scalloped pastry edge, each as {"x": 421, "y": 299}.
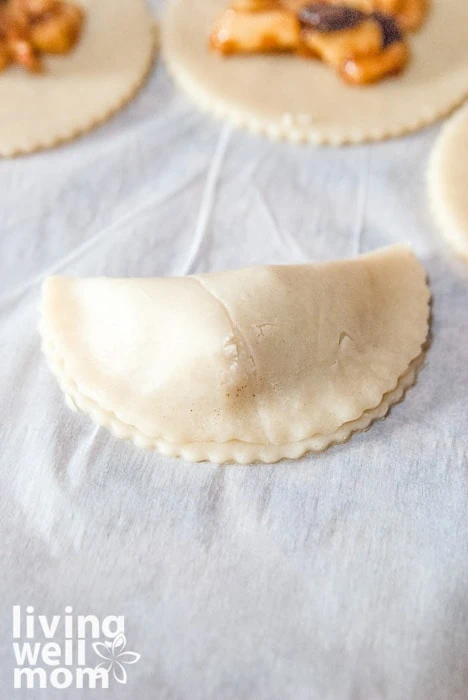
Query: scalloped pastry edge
{"x": 229, "y": 452}
{"x": 291, "y": 128}
{"x": 102, "y": 117}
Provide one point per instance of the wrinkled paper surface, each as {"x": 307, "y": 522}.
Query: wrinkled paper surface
{"x": 342, "y": 576}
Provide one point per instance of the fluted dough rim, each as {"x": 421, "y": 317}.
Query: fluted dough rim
{"x": 30, "y": 145}
{"x": 234, "y": 451}
{"x": 293, "y": 129}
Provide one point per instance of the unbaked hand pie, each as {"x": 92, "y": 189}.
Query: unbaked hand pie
{"x": 362, "y": 47}
{"x": 92, "y": 56}
{"x": 250, "y": 365}
{"x": 29, "y": 28}
{"x": 257, "y": 73}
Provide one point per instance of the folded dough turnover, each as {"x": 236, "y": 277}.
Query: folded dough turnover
{"x": 262, "y": 363}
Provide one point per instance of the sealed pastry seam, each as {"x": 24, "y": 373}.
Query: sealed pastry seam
{"x": 233, "y": 451}
{"x": 250, "y": 365}
{"x": 239, "y": 338}
{"x": 20, "y": 140}
{"x": 201, "y": 77}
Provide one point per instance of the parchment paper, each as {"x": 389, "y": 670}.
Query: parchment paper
{"x": 342, "y": 576}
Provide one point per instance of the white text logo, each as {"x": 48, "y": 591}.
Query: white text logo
{"x": 60, "y": 658}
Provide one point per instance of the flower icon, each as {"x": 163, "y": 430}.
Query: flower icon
{"x": 115, "y": 657}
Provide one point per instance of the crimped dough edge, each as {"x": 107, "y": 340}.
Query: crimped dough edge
{"x": 58, "y": 139}
{"x": 229, "y": 452}
{"x": 295, "y": 131}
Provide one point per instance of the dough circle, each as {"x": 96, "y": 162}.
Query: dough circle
{"x": 285, "y": 97}
{"x": 448, "y": 182}
{"x": 249, "y": 365}
{"x": 80, "y": 90}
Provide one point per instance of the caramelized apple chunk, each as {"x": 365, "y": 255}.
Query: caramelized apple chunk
{"x": 255, "y": 5}
{"x": 410, "y": 14}
{"x": 29, "y": 28}
{"x": 363, "y": 70}
{"x": 255, "y": 32}
{"x": 338, "y": 34}
{"x": 57, "y": 31}
{"x": 362, "y": 46}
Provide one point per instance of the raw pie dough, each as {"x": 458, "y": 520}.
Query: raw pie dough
{"x": 302, "y": 100}
{"x": 251, "y": 365}
{"x": 80, "y": 90}
{"x": 448, "y": 182}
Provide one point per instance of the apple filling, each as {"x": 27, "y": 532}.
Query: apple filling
{"x": 363, "y": 47}
{"x": 29, "y": 28}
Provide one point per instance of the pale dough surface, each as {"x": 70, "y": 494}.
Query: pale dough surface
{"x": 286, "y": 97}
{"x": 256, "y": 364}
{"x": 82, "y": 89}
{"x": 337, "y": 576}
{"x": 448, "y": 182}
